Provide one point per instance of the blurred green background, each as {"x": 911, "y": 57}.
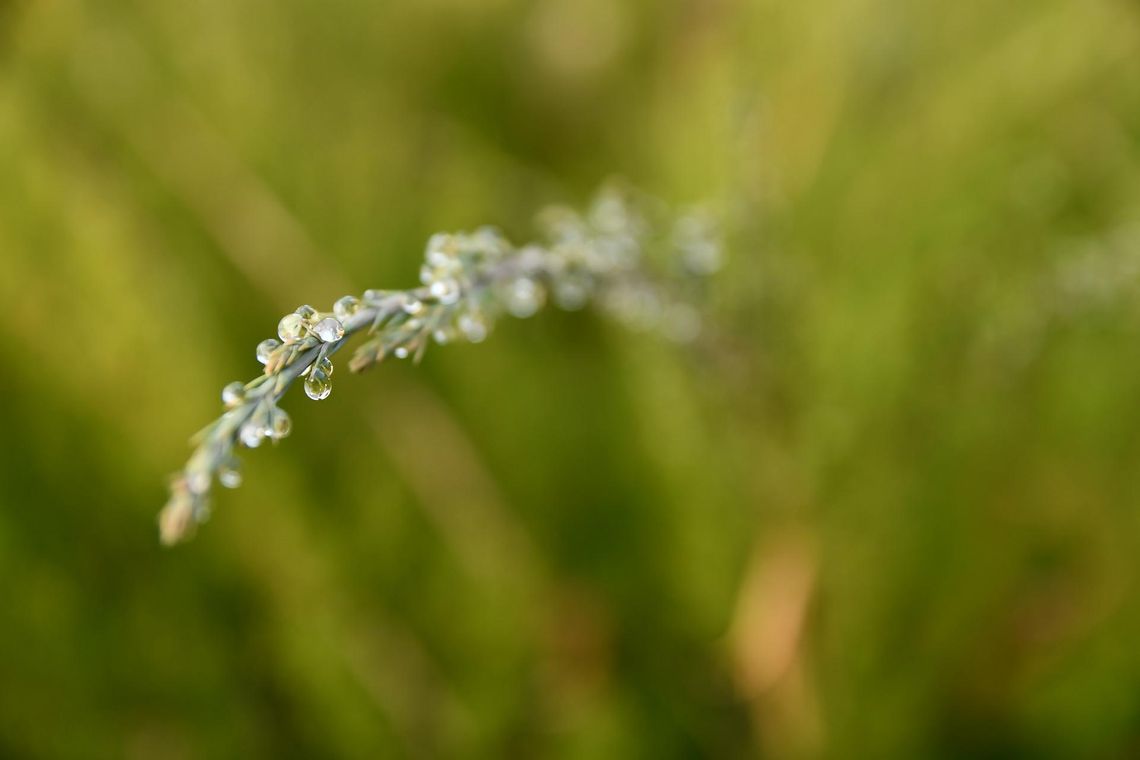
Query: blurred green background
{"x": 888, "y": 507}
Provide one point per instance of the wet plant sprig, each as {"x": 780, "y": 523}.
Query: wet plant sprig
{"x": 467, "y": 280}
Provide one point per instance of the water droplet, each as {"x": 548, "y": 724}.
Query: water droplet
{"x": 346, "y": 307}
{"x": 280, "y": 425}
{"x": 412, "y": 305}
{"x": 473, "y": 327}
{"x": 525, "y": 297}
{"x": 318, "y": 386}
{"x": 329, "y": 330}
{"x": 291, "y": 328}
{"x": 233, "y": 394}
{"x": 229, "y": 476}
{"x": 443, "y": 335}
{"x": 374, "y": 296}
{"x": 250, "y": 435}
{"x": 307, "y": 313}
{"x": 401, "y": 352}
{"x": 325, "y": 365}
{"x": 446, "y": 291}
{"x": 265, "y": 348}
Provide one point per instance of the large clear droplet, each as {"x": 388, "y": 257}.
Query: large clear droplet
{"x": 446, "y": 291}
{"x": 324, "y": 364}
{"x": 412, "y": 305}
{"x": 229, "y": 476}
{"x": 280, "y": 424}
{"x": 266, "y": 348}
{"x": 233, "y": 395}
{"x": 291, "y": 328}
{"x": 318, "y": 386}
{"x": 345, "y": 307}
{"x": 329, "y": 330}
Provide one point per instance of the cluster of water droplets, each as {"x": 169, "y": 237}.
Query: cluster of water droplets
{"x": 308, "y": 322}
{"x": 595, "y": 256}
{"x": 265, "y": 420}
{"x": 308, "y": 328}
{"x": 599, "y": 256}
{"x": 584, "y": 251}
{"x": 455, "y": 267}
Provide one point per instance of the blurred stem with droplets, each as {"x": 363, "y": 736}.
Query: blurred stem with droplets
{"x": 468, "y": 280}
